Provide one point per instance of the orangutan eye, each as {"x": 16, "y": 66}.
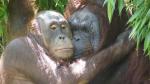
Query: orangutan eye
{"x": 63, "y": 26}
{"x": 53, "y": 27}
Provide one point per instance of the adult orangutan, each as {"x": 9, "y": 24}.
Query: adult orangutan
{"x": 25, "y": 59}
{"x": 43, "y": 56}
{"x": 85, "y": 24}
{"x": 108, "y": 32}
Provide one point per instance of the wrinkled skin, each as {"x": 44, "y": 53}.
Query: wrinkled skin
{"x": 82, "y": 44}
{"x": 55, "y": 34}
{"x": 86, "y": 38}
{"x": 85, "y": 22}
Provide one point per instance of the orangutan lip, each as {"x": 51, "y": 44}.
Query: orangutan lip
{"x": 60, "y": 49}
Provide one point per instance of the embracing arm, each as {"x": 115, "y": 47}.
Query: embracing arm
{"x": 106, "y": 57}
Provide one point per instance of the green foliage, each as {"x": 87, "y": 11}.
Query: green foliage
{"x": 3, "y": 23}
{"x": 110, "y": 8}
{"x": 139, "y": 20}
{"x": 3, "y": 15}
{"x": 120, "y": 6}
{"x": 58, "y": 5}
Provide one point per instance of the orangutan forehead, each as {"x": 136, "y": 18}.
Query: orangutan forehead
{"x": 50, "y": 15}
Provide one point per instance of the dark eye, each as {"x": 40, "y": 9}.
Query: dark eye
{"x": 53, "y": 27}
{"x": 63, "y": 26}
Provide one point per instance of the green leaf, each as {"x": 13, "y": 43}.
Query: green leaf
{"x": 138, "y": 2}
{"x": 120, "y": 6}
{"x": 134, "y": 32}
{"x": 1, "y": 30}
{"x": 135, "y": 15}
{"x": 56, "y": 3}
{"x": 148, "y": 14}
{"x": 147, "y": 43}
{"x": 147, "y": 3}
{"x": 43, "y": 4}
{"x": 2, "y": 12}
{"x": 105, "y": 2}
{"x": 143, "y": 22}
{"x": 110, "y": 9}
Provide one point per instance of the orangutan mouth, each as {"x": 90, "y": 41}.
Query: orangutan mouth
{"x": 63, "y": 49}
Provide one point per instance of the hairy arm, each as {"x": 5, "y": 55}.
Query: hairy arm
{"x": 107, "y": 57}
{"x": 19, "y": 62}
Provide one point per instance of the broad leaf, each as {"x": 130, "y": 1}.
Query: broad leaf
{"x": 110, "y": 9}
{"x": 120, "y": 6}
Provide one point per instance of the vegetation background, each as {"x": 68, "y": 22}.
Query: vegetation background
{"x": 138, "y": 10}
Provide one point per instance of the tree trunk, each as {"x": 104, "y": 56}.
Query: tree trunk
{"x": 21, "y": 13}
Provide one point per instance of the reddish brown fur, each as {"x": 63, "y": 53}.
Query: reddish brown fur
{"x": 139, "y": 65}
{"x": 139, "y": 68}
{"x": 72, "y": 6}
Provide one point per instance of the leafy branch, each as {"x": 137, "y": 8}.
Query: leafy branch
{"x": 3, "y": 22}
{"x": 139, "y": 20}
{"x": 58, "y": 5}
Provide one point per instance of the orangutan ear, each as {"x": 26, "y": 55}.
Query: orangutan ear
{"x": 35, "y": 28}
